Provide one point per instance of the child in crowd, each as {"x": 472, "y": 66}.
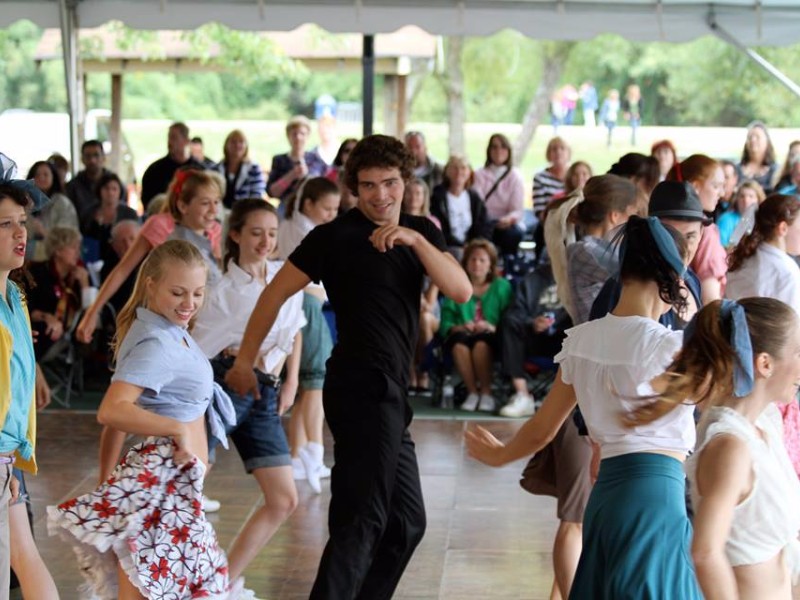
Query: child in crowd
{"x": 470, "y": 328}
{"x": 258, "y": 433}
{"x": 144, "y": 526}
{"x": 316, "y": 203}
{"x": 189, "y": 213}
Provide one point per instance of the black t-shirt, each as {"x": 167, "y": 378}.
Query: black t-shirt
{"x": 157, "y": 177}
{"x": 375, "y": 295}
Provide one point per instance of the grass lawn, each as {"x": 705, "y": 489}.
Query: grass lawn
{"x": 148, "y": 140}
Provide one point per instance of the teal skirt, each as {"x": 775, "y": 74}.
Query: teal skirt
{"x": 636, "y": 535}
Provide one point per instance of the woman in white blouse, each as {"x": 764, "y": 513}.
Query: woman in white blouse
{"x": 459, "y": 208}
{"x": 636, "y": 533}
{"x": 258, "y": 433}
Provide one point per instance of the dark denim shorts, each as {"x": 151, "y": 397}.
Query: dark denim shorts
{"x": 258, "y": 434}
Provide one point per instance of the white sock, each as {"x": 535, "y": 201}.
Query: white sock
{"x": 317, "y": 451}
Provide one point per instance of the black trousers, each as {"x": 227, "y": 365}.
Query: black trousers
{"x": 518, "y": 340}
{"x": 377, "y": 516}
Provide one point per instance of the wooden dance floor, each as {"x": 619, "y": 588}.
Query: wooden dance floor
{"x": 486, "y": 537}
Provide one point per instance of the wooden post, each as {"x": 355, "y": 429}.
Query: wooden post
{"x": 115, "y": 134}
{"x": 402, "y": 105}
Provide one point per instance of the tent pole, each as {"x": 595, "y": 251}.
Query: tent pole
{"x": 68, "y": 14}
{"x": 753, "y": 55}
{"x": 368, "y": 83}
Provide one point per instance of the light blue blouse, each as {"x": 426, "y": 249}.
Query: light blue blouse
{"x": 14, "y": 435}
{"x": 177, "y": 378}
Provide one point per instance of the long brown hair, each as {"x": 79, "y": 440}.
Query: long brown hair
{"x": 776, "y": 209}
{"x": 152, "y": 268}
{"x": 603, "y": 194}
{"x": 236, "y": 221}
{"x": 703, "y": 370}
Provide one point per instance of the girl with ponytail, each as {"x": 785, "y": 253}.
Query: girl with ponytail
{"x": 762, "y": 265}
{"x": 741, "y": 360}
{"x": 635, "y": 529}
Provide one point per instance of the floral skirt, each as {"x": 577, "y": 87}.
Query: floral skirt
{"x": 147, "y": 517}
{"x": 790, "y": 414}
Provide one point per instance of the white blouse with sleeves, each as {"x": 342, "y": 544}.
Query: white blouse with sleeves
{"x": 610, "y": 362}
{"x": 770, "y": 273}
{"x": 223, "y": 318}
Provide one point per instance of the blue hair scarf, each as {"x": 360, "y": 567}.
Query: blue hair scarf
{"x": 732, "y": 316}
{"x": 664, "y": 243}
{"x": 8, "y": 176}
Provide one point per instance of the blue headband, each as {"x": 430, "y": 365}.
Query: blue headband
{"x": 732, "y": 315}
{"x": 664, "y": 243}
{"x": 8, "y": 176}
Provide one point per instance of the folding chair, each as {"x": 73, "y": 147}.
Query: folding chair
{"x": 62, "y": 365}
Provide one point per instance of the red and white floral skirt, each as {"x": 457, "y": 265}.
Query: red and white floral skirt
{"x": 148, "y": 517}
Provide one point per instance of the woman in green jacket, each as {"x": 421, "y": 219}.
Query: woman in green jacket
{"x": 470, "y": 329}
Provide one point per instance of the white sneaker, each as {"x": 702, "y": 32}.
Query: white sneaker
{"x": 520, "y": 405}
{"x": 298, "y": 470}
{"x": 209, "y": 505}
{"x": 487, "y": 403}
{"x": 324, "y": 472}
{"x": 312, "y": 469}
{"x": 471, "y": 403}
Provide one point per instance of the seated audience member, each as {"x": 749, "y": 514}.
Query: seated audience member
{"x": 327, "y": 149}
{"x": 107, "y": 210}
{"x": 533, "y": 325}
{"x": 792, "y": 185}
{"x": 503, "y": 190}
{"x": 666, "y": 155}
{"x": 62, "y": 288}
{"x": 785, "y": 178}
{"x": 336, "y": 175}
{"x": 198, "y": 153}
{"x": 469, "y": 329}
{"x": 731, "y": 173}
{"x": 644, "y": 171}
{"x": 81, "y": 188}
{"x": 710, "y": 261}
{"x": 747, "y": 197}
{"x": 425, "y": 166}
{"x": 243, "y": 177}
{"x": 416, "y": 201}
{"x": 675, "y": 204}
{"x": 577, "y": 175}
{"x": 158, "y": 176}
{"x": 62, "y": 168}
{"x": 58, "y": 213}
{"x": 758, "y": 157}
{"x": 123, "y": 234}
{"x": 458, "y": 207}
{"x": 289, "y": 169}
{"x": 549, "y": 182}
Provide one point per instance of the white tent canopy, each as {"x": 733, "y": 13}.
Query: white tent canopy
{"x": 751, "y": 22}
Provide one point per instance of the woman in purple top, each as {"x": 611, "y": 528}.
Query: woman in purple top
{"x": 289, "y": 169}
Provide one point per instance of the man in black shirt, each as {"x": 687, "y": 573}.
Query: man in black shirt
{"x": 158, "y": 175}
{"x": 81, "y": 188}
{"x": 371, "y": 260}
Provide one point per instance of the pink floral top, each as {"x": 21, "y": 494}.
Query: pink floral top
{"x": 791, "y": 432}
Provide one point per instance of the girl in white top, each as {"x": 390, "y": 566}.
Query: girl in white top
{"x": 761, "y": 265}
{"x": 739, "y": 360}
{"x": 258, "y": 433}
{"x": 635, "y": 529}
{"x": 316, "y": 202}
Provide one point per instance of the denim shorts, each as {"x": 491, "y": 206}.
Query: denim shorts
{"x": 258, "y": 434}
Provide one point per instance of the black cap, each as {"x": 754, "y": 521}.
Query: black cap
{"x": 676, "y": 200}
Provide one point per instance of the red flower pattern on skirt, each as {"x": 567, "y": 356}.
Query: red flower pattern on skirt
{"x": 790, "y": 414}
{"x": 149, "y": 514}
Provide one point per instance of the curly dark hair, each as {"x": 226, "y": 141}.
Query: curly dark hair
{"x": 381, "y": 152}
{"x": 644, "y": 262}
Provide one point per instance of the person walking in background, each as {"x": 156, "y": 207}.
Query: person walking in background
{"x": 609, "y": 113}
{"x": 589, "y": 103}
{"x": 632, "y": 108}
